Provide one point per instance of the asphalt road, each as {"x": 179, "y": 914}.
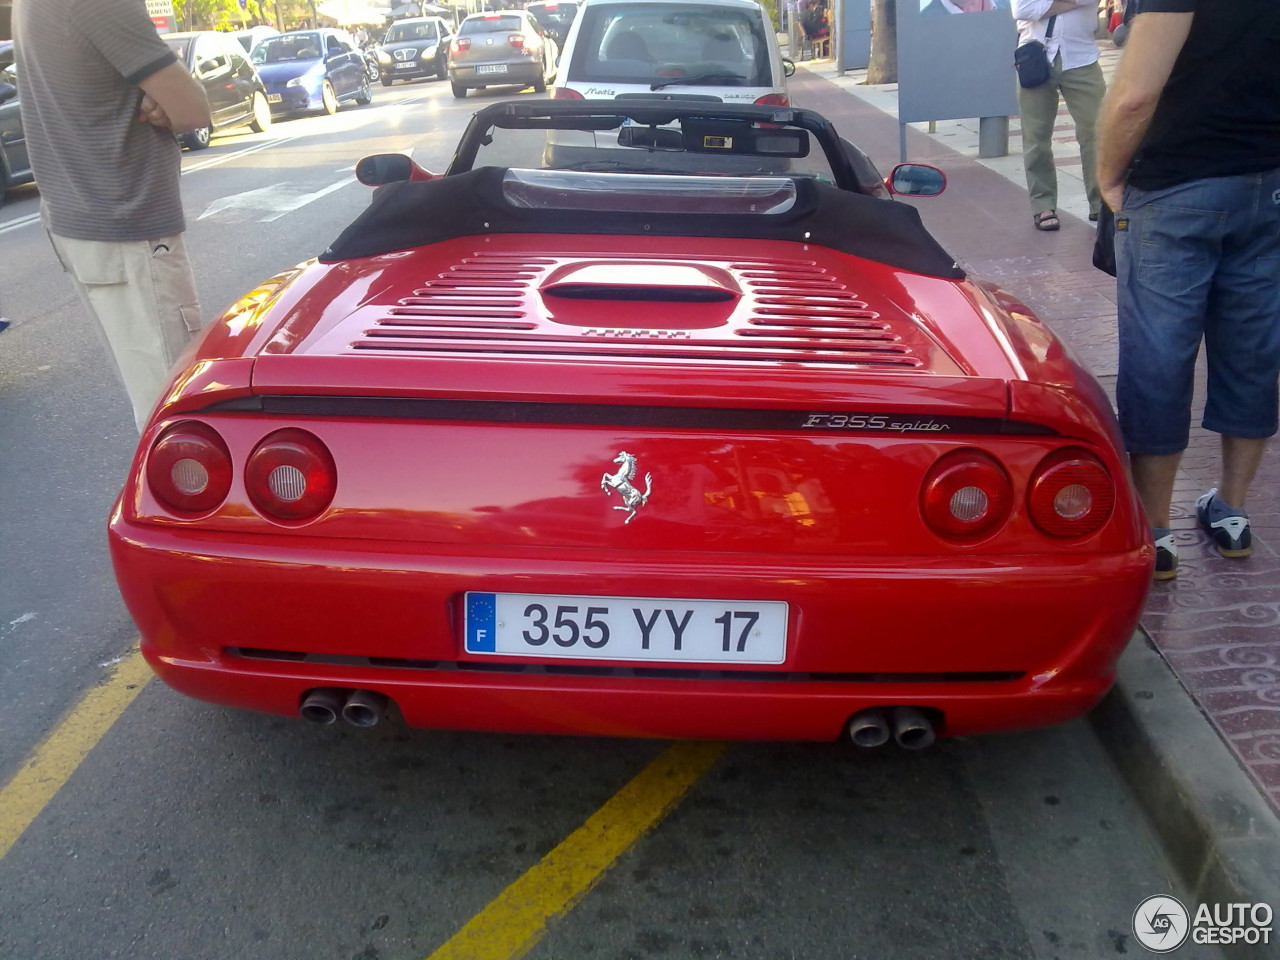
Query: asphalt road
{"x": 193, "y": 833}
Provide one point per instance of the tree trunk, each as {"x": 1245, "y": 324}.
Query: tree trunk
{"x": 884, "y": 43}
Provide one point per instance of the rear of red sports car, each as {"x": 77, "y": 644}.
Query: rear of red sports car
{"x": 635, "y": 485}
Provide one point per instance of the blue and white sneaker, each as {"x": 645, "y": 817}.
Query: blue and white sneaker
{"x": 1166, "y": 554}
{"x": 1227, "y": 526}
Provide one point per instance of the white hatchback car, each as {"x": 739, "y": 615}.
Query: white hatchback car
{"x": 723, "y": 50}
{"x": 710, "y": 49}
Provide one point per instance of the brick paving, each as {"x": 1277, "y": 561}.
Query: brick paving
{"x": 1218, "y": 623}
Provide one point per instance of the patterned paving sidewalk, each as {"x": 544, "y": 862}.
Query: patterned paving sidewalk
{"x": 1218, "y": 623}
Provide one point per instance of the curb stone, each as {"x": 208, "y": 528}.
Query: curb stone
{"x": 1219, "y": 832}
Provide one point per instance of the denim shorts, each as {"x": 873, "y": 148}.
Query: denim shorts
{"x": 1199, "y": 261}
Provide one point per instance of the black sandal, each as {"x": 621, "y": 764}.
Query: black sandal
{"x": 1047, "y": 220}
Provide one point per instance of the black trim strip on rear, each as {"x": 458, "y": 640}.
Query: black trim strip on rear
{"x": 619, "y": 415}
{"x": 658, "y": 672}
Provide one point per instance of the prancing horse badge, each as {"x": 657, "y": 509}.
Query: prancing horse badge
{"x": 632, "y": 499}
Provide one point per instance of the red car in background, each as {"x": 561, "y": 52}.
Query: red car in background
{"x": 706, "y": 439}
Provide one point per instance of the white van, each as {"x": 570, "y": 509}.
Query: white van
{"x": 724, "y": 50}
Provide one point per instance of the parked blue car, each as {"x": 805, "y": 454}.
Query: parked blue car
{"x": 311, "y": 70}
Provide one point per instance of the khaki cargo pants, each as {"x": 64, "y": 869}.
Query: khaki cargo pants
{"x": 143, "y": 295}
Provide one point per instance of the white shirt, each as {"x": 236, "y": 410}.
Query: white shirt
{"x": 1072, "y": 31}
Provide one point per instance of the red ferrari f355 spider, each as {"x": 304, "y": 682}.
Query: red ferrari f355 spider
{"x": 702, "y": 437}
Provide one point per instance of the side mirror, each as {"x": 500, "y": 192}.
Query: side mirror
{"x": 788, "y": 68}
{"x": 7, "y": 92}
{"x": 384, "y": 168}
{"x": 916, "y": 180}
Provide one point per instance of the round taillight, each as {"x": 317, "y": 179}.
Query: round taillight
{"x": 290, "y": 476}
{"x": 564, "y": 93}
{"x": 1071, "y": 495}
{"x": 966, "y": 496}
{"x": 189, "y": 468}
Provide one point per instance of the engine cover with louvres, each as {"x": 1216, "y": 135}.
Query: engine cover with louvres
{"x": 664, "y": 308}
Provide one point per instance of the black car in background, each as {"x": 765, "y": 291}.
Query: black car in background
{"x": 15, "y": 167}
{"x": 237, "y": 96}
{"x": 415, "y": 47}
{"x": 554, "y": 16}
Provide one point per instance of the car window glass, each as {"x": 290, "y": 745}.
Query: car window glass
{"x": 553, "y": 16}
{"x": 694, "y": 44}
{"x": 206, "y": 65}
{"x": 334, "y": 46}
{"x": 179, "y": 45}
{"x": 492, "y": 23}
{"x": 410, "y": 31}
{"x": 616, "y": 192}
{"x": 282, "y": 49}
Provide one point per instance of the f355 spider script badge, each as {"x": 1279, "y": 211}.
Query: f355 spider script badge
{"x": 632, "y": 499}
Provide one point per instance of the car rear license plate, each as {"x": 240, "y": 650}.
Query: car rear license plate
{"x": 273, "y": 98}
{"x": 492, "y": 68}
{"x": 626, "y": 628}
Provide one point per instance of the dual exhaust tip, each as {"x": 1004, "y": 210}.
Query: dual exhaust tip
{"x": 909, "y": 727}
{"x": 360, "y": 708}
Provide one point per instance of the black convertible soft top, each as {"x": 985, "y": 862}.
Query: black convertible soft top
{"x": 416, "y": 213}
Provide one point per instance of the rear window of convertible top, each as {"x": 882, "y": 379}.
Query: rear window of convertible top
{"x": 626, "y": 192}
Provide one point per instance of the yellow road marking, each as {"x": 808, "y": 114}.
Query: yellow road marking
{"x": 509, "y": 926}
{"x": 53, "y": 762}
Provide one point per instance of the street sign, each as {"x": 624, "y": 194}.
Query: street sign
{"x": 161, "y": 13}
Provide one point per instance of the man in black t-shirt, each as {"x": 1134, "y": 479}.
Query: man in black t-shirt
{"x": 1189, "y": 158}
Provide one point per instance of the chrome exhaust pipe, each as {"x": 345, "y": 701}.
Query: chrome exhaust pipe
{"x": 912, "y": 729}
{"x": 869, "y": 728}
{"x": 323, "y": 704}
{"x": 364, "y": 708}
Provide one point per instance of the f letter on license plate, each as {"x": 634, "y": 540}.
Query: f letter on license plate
{"x": 626, "y": 628}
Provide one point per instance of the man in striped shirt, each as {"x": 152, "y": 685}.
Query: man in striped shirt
{"x": 102, "y": 97}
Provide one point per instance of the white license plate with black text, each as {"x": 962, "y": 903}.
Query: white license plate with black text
{"x": 405, "y": 66}
{"x": 273, "y": 98}
{"x": 492, "y": 68}
{"x": 626, "y": 628}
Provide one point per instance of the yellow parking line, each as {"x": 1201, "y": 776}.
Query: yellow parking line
{"x": 53, "y": 762}
{"x": 509, "y": 926}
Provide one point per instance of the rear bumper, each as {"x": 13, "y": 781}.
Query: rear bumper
{"x": 649, "y": 707}
{"x": 256, "y": 625}
{"x": 522, "y": 73}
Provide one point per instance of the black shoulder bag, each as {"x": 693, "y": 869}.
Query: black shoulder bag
{"x": 1031, "y": 60}
{"x": 1104, "y": 242}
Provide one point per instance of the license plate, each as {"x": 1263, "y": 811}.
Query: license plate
{"x": 492, "y": 68}
{"x": 273, "y": 98}
{"x": 405, "y": 66}
{"x": 626, "y": 628}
